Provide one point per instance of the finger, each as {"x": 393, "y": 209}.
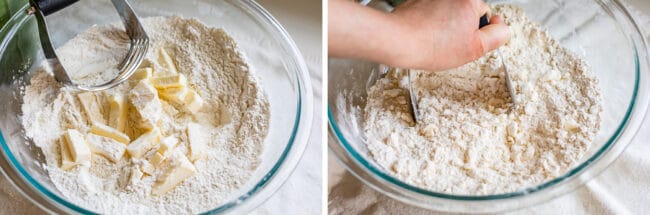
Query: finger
{"x": 482, "y": 8}
{"x": 496, "y": 19}
{"x": 494, "y": 35}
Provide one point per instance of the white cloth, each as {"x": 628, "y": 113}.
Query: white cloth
{"x": 623, "y": 188}
{"x": 302, "y": 193}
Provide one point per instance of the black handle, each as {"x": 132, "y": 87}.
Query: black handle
{"x": 50, "y": 6}
{"x": 394, "y": 3}
{"x": 485, "y": 20}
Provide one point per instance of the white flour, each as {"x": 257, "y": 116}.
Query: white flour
{"x": 235, "y": 111}
{"x": 467, "y": 141}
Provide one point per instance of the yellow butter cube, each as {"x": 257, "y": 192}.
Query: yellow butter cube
{"x": 169, "y": 81}
{"x": 156, "y": 159}
{"x": 198, "y": 141}
{"x": 92, "y": 106}
{"x": 107, "y": 147}
{"x": 66, "y": 159}
{"x": 118, "y": 112}
{"x": 167, "y": 145}
{"x": 187, "y": 99}
{"x": 129, "y": 176}
{"x": 77, "y": 146}
{"x": 143, "y": 91}
{"x": 193, "y": 102}
{"x": 136, "y": 175}
{"x": 174, "y": 95}
{"x": 179, "y": 170}
{"x": 147, "y": 167}
{"x": 107, "y": 131}
{"x": 144, "y": 143}
{"x": 144, "y": 98}
{"x": 142, "y": 73}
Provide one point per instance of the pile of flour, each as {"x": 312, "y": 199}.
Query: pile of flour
{"x": 468, "y": 141}
{"x": 235, "y": 113}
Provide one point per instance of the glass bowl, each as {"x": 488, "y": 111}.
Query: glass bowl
{"x": 272, "y": 55}
{"x": 601, "y": 31}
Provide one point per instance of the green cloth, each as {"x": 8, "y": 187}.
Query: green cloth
{"x": 23, "y": 49}
{"x": 9, "y": 7}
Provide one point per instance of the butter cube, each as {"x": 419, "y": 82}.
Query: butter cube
{"x": 107, "y": 131}
{"x": 118, "y": 112}
{"x": 156, "y": 159}
{"x": 144, "y": 143}
{"x": 66, "y": 159}
{"x": 144, "y": 98}
{"x": 180, "y": 169}
{"x": 143, "y": 92}
{"x": 76, "y": 144}
{"x": 188, "y": 99}
{"x": 198, "y": 141}
{"x": 129, "y": 177}
{"x": 174, "y": 95}
{"x": 165, "y": 60}
{"x": 107, "y": 147}
{"x": 193, "y": 102}
{"x": 135, "y": 176}
{"x": 92, "y": 106}
{"x": 169, "y": 81}
{"x": 167, "y": 145}
{"x": 142, "y": 73}
{"x": 147, "y": 168}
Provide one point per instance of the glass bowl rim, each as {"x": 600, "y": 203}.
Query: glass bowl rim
{"x": 290, "y": 155}
{"x": 376, "y": 171}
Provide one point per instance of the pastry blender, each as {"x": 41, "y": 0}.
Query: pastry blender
{"x": 485, "y": 20}
{"x": 139, "y": 42}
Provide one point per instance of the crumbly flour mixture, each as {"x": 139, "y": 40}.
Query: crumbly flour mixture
{"x": 468, "y": 141}
{"x": 181, "y": 154}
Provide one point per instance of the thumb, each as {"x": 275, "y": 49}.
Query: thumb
{"x": 495, "y": 34}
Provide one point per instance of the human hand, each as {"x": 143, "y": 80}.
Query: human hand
{"x": 420, "y": 34}
{"x": 443, "y": 34}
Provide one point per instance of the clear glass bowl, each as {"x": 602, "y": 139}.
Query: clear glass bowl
{"x": 272, "y": 55}
{"x": 601, "y": 31}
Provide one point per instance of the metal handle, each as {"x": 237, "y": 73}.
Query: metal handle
{"x": 485, "y": 20}
{"x": 50, "y": 6}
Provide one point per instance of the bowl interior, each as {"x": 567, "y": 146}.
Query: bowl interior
{"x": 588, "y": 28}
{"x": 269, "y": 54}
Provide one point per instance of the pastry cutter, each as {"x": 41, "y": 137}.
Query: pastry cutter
{"x": 485, "y": 20}
{"x": 139, "y": 42}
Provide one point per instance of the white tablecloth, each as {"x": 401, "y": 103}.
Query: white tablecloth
{"x": 623, "y": 188}
{"x": 302, "y": 193}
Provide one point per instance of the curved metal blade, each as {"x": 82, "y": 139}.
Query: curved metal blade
{"x": 511, "y": 89}
{"x": 415, "y": 111}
